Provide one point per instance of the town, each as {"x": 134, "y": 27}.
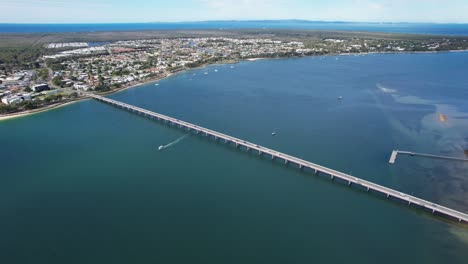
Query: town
{"x": 109, "y": 67}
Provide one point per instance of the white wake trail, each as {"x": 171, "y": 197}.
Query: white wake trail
{"x": 172, "y": 143}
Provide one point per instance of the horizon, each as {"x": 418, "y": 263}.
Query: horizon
{"x": 233, "y": 20}
{"x": 182, "y": 11}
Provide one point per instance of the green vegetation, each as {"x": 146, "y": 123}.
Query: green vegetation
{"x": 102, "y": 88}
{"x": 41, "y": 74}
{"x": 24, "y": 58}
{"x": 57, "y": 81}
{"x": 55, "y": 65}
{"x": 53, "y": 98}
{"x": 6, "y": 109}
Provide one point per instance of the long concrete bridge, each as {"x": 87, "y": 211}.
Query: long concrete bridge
{"x": 301, "y": 164}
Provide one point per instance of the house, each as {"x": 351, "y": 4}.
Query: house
{"x": 40, "y": 87}
{"x": 80, "y": 86}
{"x": 16, "y": 99}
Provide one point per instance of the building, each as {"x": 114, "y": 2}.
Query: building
{"x": 40, "y": 87}
{"x": 81, "y": 86}
{"x": 16, "y": 99}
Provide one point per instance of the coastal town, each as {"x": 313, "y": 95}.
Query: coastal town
{"x": 70, "y": 68}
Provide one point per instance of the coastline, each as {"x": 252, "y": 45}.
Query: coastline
{"x": 37, "y": 111}
{"x": 137, "y": 84}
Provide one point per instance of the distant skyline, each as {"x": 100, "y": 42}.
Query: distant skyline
{"x": 118, "y": 11}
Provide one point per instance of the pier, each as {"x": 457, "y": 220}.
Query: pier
{"x": 294, "y": 161}
{"x": 395, "y": 153}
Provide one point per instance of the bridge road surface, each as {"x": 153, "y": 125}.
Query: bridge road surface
{"x": 369, "y": 186}
{"x": 398, "y": 152}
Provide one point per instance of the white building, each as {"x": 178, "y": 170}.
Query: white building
{"x": 16, "y": 99}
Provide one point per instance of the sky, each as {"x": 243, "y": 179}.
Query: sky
{"x": 120, "y": 11}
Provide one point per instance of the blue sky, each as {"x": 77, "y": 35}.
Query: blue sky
{"x": 95, "y": 11}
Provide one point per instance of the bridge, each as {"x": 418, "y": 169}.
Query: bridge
{"x": 395, "y": 153}
{"x": 294, "y": 161}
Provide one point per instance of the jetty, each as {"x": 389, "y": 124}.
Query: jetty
{"x": 395, "y": 153}
{"x": 292, "y": 161}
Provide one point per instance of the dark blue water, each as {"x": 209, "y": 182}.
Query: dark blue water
{"x": 87, "y": 184}
{"x": 416, "y": 28}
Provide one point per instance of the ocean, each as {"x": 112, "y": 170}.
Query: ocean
{"x": 413, "y": 28}
{"x": 87, "y": 183}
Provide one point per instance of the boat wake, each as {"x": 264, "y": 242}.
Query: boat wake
{"x": 162, "y": 147}
{"x": 385, "y": 89}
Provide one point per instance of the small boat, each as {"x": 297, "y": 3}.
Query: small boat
{"x": 206, "y": 73}
{"x": 232, "y": 67}
{"x": 161, "y": 147}
{"x": 273, "y": 134}
{"x": 216, "y": 70}
{"x": 156, "y": 84}
{"x": 340, "y": 97}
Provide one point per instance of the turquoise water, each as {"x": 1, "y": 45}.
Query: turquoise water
{"x": 87, "y": 184}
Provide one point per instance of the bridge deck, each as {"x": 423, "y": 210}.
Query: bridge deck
{"x": 430, "y": 156}
{"x": 434, "y": 208}
{"x": 393, "y": 157}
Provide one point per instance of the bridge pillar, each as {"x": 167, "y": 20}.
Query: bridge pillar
{"x": 225, "y": 141}
{"x": 260, "y": 153}
{"x": 273, "y": 157}
{"x": 248, "y": 149}
{"x": 368, "y": 189}
{"x": 237, "y": 145}
{"x": 388, "y": 195}
{"x": 286, "y": 162}
{"x": 433, "y": 211}
{"x": 332, "y": 177}
{"x": 409, "y": 203}
{"x": 316, "y": 172}
{"x": 349, "y": 183}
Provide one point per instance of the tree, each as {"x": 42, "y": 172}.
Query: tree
{"x": 57, "y": 81}
{"x": 29, "y": 105}
{"x": 5, "y": 109}
{"x": 102, "y": 88}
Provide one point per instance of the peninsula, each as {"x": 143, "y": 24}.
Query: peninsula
{"x": 41, "y": 71}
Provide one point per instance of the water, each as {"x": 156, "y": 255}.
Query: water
{"x": 416, "y": 28}
{"x": 86, "y": 183}
{"x": 163, "y": 147}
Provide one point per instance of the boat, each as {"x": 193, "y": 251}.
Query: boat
{"x": 156, "y": 84}
{"x": 206, "y": 73}
{"x": 273, "y": 134}
{"x": 340, "y": 97}
{"x": 161, "y": 147}
{"x": 216, "y": 70}
{"x": 232, "y": 67}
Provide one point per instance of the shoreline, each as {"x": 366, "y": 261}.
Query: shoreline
{"x": 137, "y": 84}
{"x": 39, "y": 110}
